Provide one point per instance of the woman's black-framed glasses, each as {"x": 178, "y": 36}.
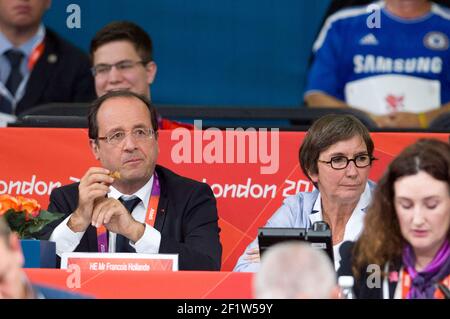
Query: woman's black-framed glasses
{"x": 341, "y": 162}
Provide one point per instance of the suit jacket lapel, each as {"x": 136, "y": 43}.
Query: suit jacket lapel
{"x": 161, "y": 215}
{"x": 40, "y": 76}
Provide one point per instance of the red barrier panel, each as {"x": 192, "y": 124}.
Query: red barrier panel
{"x": 249, "y": 172}
{"x": 158, "y": 284}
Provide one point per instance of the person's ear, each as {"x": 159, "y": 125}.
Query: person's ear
{"x": 314, "y": 177}
{"x": 94, "y": 148}
{"x": 151, "y": 70}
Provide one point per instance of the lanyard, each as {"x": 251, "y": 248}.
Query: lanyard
{"x": 406, "y": 285}
{"x": 35, "y": 55}
{"x": 150, "y": 216}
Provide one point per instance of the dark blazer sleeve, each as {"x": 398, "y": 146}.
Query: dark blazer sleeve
{"x": 198, "y": 243}
{"x": 345, "y": 269}
{"x": 199, "y": 248}
{"x": 65, "y": 200}
{"x": 62, "y": 200}
{"x": 361, "y": 287}
{"x": 345, "y": 251}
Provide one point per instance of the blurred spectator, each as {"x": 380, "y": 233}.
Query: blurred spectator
{"x": 337, "y": 5}
{"x": 407, "y": 232}
{"x": 295, "y": 270}
{"x": 14, "y": 283}
{"x": 394, "y": 67}
{"x": 122, "y": 58}
{"x": 36, "y": 65}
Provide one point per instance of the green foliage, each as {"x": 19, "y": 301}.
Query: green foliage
{"x": 27, "y": 225}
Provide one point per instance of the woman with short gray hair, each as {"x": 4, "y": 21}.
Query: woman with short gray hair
{"x": 336, "y": 155}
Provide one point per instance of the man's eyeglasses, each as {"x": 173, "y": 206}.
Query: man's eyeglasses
{"x": 121, "y": 66}
{"x": 139, "y": 134}
{"x": 341, "y": 162}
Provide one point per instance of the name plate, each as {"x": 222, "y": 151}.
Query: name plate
{"x": 133, "y": 262}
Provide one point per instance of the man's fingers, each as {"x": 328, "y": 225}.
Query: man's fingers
{"x": 93, "y": 192}
{"x": 97, "y": 217}
{"x": 99, "y": 178}
{"x": 96, "y": 175}
{"x": 97, "y": 188}
{"x": 104, "y": 210}
{"x": 107, "y": 217}
{"x": 97, "y": 170}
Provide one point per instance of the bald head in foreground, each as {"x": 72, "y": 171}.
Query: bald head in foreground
{"x": 295, "y": 270}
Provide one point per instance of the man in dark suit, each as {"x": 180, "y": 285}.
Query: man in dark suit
{"x": 36, "y": 65}
{"x": 143, "y": 207}
{"x": 13, "y": 280}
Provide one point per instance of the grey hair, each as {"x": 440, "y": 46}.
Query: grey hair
{"x": 291, "y": 269}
